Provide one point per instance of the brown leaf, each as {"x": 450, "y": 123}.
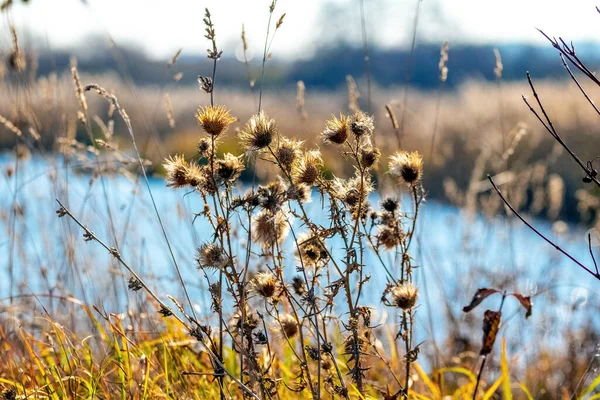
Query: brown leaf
{"x": 480, "y": 295}
{"x": 491, "y": 324}
{"x": 525, "y": 302}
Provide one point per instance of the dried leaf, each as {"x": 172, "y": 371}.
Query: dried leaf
{"x": 480, "y": 295}
{"x": 491, "y": 324}
{"x": 525, "y": 302}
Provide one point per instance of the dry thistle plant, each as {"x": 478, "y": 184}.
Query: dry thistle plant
{"x": 301, "y": 283}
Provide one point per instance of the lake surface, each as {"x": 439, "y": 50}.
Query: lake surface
{"x": 456, "y": 254}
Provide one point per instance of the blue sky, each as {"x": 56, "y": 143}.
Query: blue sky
{"x": 161, "y": 27}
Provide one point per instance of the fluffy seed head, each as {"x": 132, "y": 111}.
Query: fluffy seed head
{"x": 258, "y": 132}
{"x": 389, "y": 237}
{"x": 310, "y": 249}
{"x": 361, "y": 124}
{"x": 214, "y": 119}
{"x": 229, "y": 168}
{"x": 405, "y": 296}
{"x": 288, "y": 326}
{"x": 307, "y": 170}
{"x": 406, "y": 167}
{"x": 336, "y": 130}
{"x": 180, "y": 173}
{"x": 265, "y": 284}
{"x": 272, "y": 196}
{"x": 299, "y": 286}
{"x": 389, "y": 204}
{"x": 204, "y": 147}
{"x": 369, "y": 157}
{"x": 211, "y": 255}
{"x": 270, "y": 228}
{"x": 288, "y": 152}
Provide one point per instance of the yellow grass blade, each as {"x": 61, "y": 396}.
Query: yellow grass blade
{"x": 591, "y": 387}
{"x": 433, "y": 389}
{"x": 490, "y": 392}
{"x": 506, "y": 392}
{"x": 526, "y": 391}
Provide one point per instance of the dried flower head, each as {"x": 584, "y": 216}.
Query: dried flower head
{"x": 228, "y": 168}
{"x": 270, "y": 228}
{"x": 299, "y": 193}
{"x": 404, "y": 296}
{"x": 265, "y": 284}
{"x": 361, "y": 124}
{"x": 211, "y": 255}
{"x": 250, "y": 323}
{"x": 258, "y": 132}
{"x": 310, "y": 249}
{"x": 272, "y": 196}
{"x": 390, "y": 204}
{"x": 389, "y": 237}
{"x": 354, "y": 191}
{"x": 369, "y": 156}
{"x": 180, "y": 173}
{"x": 214, "y": 119}
{"x": 307, "y": 169}
{"x": 299, "y": 285}
{"x": 288, "y": 327}
{"x": 204, "y": 147}
{"x": 406, "y": 167}
{"x": 336, "y": 130}
{"x": 288, "y": 152}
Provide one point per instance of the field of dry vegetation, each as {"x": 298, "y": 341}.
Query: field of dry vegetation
{"x": 291, "y": 254}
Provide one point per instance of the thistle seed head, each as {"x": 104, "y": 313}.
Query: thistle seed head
{"x": 258, "y": 133}
{"x": 406, "y": 167}
{"x": 336, "y": 130}
{"x": 307, "y": 170}
{"x": 288, "y": 327}
{"x": 214, "y": 119}
{"x": 229, "y": 168}
{"x": 270, "y": 228}
{"x": 404, "y": 296}
{"x": 361, "y": 124}
{"x": 211, "y": 255}
{"x": 265, "y": 284}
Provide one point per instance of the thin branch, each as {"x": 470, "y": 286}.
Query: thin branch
{"x": 595, "y": 275}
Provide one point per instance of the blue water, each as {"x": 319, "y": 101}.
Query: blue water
{"x": 455, "y": 254}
